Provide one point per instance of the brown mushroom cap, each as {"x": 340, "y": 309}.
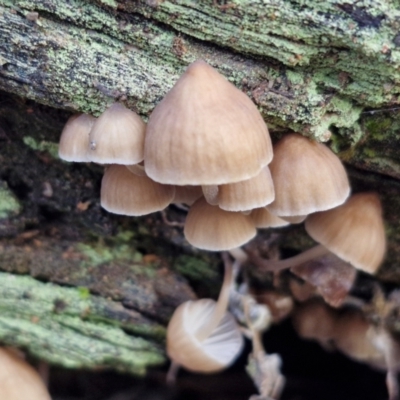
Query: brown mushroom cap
{"x": 210, "y": 228}
{"x": 18, "y": 380}
{"x": 248, "y": 194}
{"x": 117, "y": 137}
{"x": 353, "y": 231}
{"x": 262, "y": 218}
{"x": 187, "y": 194}
{"x": 123, "y": 192}
{"x": 74, "y": 140}
{"x": 205, "y": 132}
{"x": 308, "y": 177}
{"x": 216, "y": 352}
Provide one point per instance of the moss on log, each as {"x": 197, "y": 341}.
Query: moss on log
{"x": 70, "y": 327}
{"x": 329, "y": 70}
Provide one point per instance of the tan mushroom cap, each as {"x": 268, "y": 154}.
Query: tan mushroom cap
{"x": 205, "y": 132}
{"x": 295, "y": 219}
{"x": 213, "y": 354}
{"x": 74, "y": 140}
{"x": 187, "y": 194}
{"x": 210, "y": 228}
{"x": 308, "y": 177}
{"x": 248, "y": 194}
{"x": 117, "y": 137}
{"x": 123, "y": 192}
{"x": 262, "y": 218}
{"x": 18, "y": 380}
{"x": 353, "y": 231}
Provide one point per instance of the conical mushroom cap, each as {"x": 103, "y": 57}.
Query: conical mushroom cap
{"x": 187, "y": 194}
{"x": 205, "y": 132}
{"x": 353, "y": 231}
{"x": 117, "y": 137}
{"x": 308, "y": 177}
{"x": 210, "y": 228}
{"x": 74, "y": 140}
{"x": 247, "y": 195}
{"x": 18, "y": 380}
{"x": 262, "y": 218}
{"x": 123, "y": 192}
{"x": 216, "y": 352}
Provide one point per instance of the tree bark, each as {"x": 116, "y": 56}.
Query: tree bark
{"x": 329, "y": 70}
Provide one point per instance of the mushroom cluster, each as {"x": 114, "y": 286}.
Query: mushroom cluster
{"x": 207, "y": 146}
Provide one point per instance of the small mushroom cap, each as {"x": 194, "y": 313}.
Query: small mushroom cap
{"x": 205, "y": 132}
{"x": 210, "y": 228}
{"x": 248, "y": 194}
{"x": 295, "y": 219}
{"x": 353, "y": 231}
{"x": 74, "y": 140}
{"x": 187, "y": 194}
{"x": 117, "y": 137}
{"x": 351, "y": 337}
{"x": 262, "y": 218}
{"x": 308, "y": 177}
{"x": 213, "y": 354}
{"x": 18, "y": 380}
{"x": 123, "y": 192}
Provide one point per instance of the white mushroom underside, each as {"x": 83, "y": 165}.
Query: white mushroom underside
{"x": 218, "y": 351}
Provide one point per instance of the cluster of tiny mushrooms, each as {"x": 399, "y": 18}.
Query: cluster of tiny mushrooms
{"x": 207, "y": 146}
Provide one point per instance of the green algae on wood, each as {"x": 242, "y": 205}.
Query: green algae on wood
{"x": 9, "y": 205}
{"x": 138, "y": 60}
{"x": 56, "y": 325}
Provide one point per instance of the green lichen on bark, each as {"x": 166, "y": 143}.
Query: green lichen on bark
{"x": 104, "y": 54}
{"x": 9, "y": 204}
{"x": 63, "y": 327}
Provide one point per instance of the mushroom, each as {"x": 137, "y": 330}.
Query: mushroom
{"x": 74, "y": 140}
{"x": 308, "y": 177}
{"x": 205, "y": 132}
{"x": 117, "y": 137}
{"x": 353, "y": 231}
{"x": 18, "y": 380}
{"x": 187, "y": 194}
{"x": 352, "y": 334}
{"x": 262, "y": 218}
{"x": 247, "y": 195}
{"x": 124, "y": 192}
{"x": 210, "y": 228}
{"x": 202, "y": 336}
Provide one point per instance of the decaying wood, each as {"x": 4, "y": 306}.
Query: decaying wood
{"x": 329, "y": 70}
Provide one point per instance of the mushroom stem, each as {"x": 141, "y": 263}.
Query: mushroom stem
{"x": 172, "y": 373}
{"x": 239, "y": 254}
{"x": 210, "y": 193}
{"x": 278, "y": 265}
{"x": 222, "y": 304}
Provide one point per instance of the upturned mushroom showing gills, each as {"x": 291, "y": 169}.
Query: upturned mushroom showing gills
{"x": 202, "y": 336}
{"x": 74, "y": 141}
{"x": 308, "y": 177}
{"x": 117, "y": 137}
{"x": 205, "y": 132}
{"x": 353, "y": 231}
{"x": 18, "y": 380}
